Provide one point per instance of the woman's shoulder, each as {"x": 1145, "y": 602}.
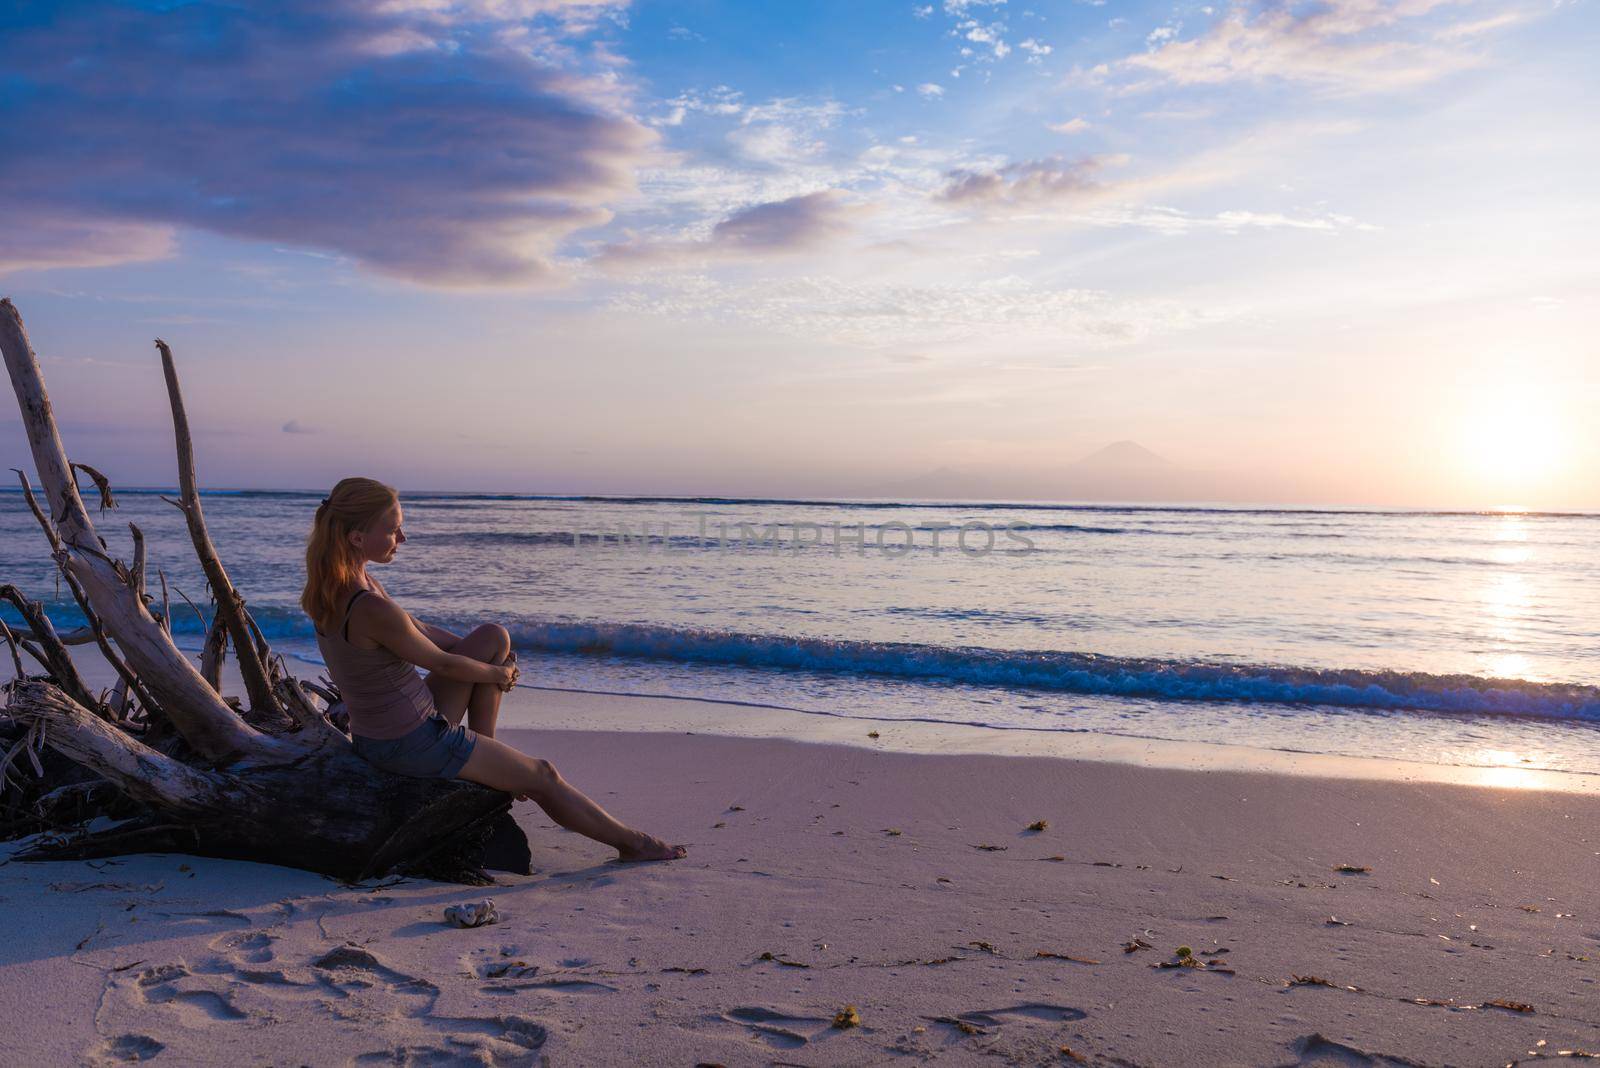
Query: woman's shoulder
{"x": 348, "y": 597}
{"x": 372, "y": 607}
{"x": 350, "y": 622}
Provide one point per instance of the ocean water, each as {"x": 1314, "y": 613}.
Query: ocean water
{"x": 1448, "y": 637}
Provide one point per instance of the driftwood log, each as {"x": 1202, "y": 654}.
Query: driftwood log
{"x": 174, "y": 764}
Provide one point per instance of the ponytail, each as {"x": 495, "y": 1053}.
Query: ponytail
{"x": 332, "y": 563}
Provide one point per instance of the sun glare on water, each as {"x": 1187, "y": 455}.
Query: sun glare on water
{"x": 1500, "y": 767}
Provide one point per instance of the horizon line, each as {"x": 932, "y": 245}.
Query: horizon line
{"x": 1111, "y": 504}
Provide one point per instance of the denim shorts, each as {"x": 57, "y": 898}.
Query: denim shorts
{"x": 433, "y": 750}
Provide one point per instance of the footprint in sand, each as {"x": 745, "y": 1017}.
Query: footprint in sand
{"x": 246, "y": 947}
{"x": 503, "y": 972}
{"x": 411, "y": 1057}
{"x": 504, "y": 965}
{"x": 211, "y": 917}
{"x": 162, "y": 973}
{"x": 123, "y": 1049}
{"x": 245, "y": 955}
{"x": 501, "y": 1041}
{"x": 552, "y": 986}
{"x": 1029, "y": 1011}
{"x": 775, "y": 1027}
{"x": 992, "y": 1020}
{"x": 173, "y": 986}
{"x": 1316, "y": 1051}
{"x": 351, "y": 970}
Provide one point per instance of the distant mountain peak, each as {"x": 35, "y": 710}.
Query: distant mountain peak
{"x": 1122, "y": 456}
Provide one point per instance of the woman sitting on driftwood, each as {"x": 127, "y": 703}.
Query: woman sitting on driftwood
{"x": 410, "y": 725}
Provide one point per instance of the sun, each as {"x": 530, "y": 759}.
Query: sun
{"x": 1512, "y": 440}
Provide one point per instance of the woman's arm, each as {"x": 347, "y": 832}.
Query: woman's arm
{"x": 388, "y": 624}
{"x": 437, "y": 635}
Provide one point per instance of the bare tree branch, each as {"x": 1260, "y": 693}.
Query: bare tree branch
{"x": 327, "y": 692}
{"x": 56, "y": 658}
{"x": 136, "y": 573}
{"x": 23, "y": 746}
{"x": 94, "y": 632}
{"x": 33, "y": 506}
{"x": 166, "y": 605}
{"x": 215, "y": 653}
{"x": 306, "y": 715}
{"x": 118, "y": 701}
{"x": 24, "y": 640}
{"x": 101, "y": 483}
{"x": 198, "y": 615}
{"x": 75, "y": 636}
{"x": 11, "y": 643}
{"x": 263, "y": 650}
{"x": 230, "y": 605}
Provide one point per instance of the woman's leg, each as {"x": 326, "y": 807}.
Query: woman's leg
{"x": 496, "y": 764}
{"x": 478, "y": 702}
{"x": 483, "y": 707}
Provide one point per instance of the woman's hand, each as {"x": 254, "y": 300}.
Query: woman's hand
{"x": 509, "y": 673}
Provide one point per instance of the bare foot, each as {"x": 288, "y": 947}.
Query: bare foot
{"x": 650, "y": 848}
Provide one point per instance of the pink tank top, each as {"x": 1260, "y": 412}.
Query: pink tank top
{"x": 385, "y": 695}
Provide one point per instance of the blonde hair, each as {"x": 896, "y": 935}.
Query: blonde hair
{"x": 332, "y": 563}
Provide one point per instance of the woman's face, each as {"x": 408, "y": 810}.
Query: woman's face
{"x": 379, "y": 541}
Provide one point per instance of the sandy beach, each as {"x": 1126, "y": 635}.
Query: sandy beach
{"x": 824, "y": 876}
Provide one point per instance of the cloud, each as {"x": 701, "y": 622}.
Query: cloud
{"x": 982, "y": 41}
{"x": 781, "y": 132}
{"x": 1083, "y": 190}
{"x": 1275, "y": 220}
{"x": 798, "y": 224}
{"x": 37, "y": 237}
{"x": 773, "y": 143}
{"x": 991, "y": 35}
{"x": 1036, "y": 49}
{"x": 1351, "y": 45}
{"x": 1459, "y": 30}
{"x": 409, "y": 136}
{"x": 1071, "y": 126}
{"x": 568, "y": 16}
{"x": 1030, "y": 182}
{"x": 294, "y": 426}
{"x": 1180, "y": 113}
{"x": 931, "y": 90}
{"x": 1169, "y": 220}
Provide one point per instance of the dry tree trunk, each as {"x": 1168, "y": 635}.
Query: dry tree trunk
{"x": 279, "y": 783}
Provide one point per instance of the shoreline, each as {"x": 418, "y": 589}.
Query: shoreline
{"x": 569, "y": 709}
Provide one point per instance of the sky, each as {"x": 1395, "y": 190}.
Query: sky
{"x": 1339, "y": 253}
